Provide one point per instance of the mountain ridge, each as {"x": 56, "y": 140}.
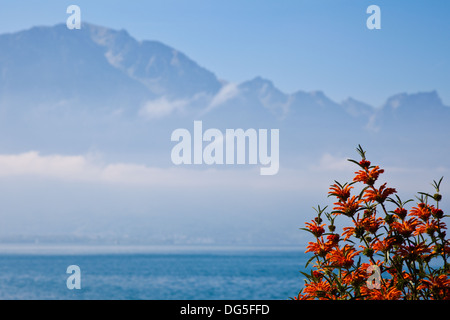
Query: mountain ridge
{"x": 160, "y": 68}
{"x": 97, "y": 99}
{"x": 101, "y": 88}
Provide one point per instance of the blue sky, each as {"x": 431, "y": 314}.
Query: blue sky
{"x": 299, "y": 45}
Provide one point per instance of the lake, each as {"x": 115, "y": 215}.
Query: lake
{"x": 160, "y": 273}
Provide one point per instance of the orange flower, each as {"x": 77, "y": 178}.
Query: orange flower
{"x": 391, "y": 293}
{"x": 410, "y": 257}
{"x": 320, "y": 289}
{"x": 383, "y": 245}
{"x": 355, "y": 278}
{"x": 315, "y": 229}
{"x": 430, "y": 227}
{"x": 368, "y": 176}
{"x": 303, "y": 297}
{"x": 349, "y": 231}
{"x": 413, "y": 252}
{"x": 422, "y": 211}
{"x": 371, "y": 224}
{"x": 405, "y": 228}
{"x": 341, "y": 192}
{"x": 319, "y": 248}
{"x": 439, "y": 286}
{"x": 342, "y": 257}
{"x": 333, "y": 240}
{"x": 379, "y": 195}
{"x": 348, "y": 207}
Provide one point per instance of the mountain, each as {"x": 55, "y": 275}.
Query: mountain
{"x": 96, "y": 88}
{"x": 95, "y": 67}
{"x": 99, "y": 104}
{"x": 406, "y": 108}
{"x": 162, "y": 69}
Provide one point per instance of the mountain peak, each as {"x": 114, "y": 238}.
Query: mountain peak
{"x": 357, "y": 108}
{"x": 263, "y": 87}
{"x": 54, "y": 54}
{"x": 415, "y": 100}
{"x": 258, "y": 82}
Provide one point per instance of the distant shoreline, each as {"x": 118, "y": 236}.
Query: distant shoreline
{"x": 51, "y": 249}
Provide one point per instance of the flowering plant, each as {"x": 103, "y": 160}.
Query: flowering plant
{"x": 384, "y": 254}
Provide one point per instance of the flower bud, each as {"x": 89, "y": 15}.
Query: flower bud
{"x": 430, "y": 232}
{"x": 438, "y": 248}
{"x": 367, "y": 213}
{"x": 398, "y": 240}
{"x": 359, "y": 231}
{"x": 364, "y": 163}
{"x": 317, "y": 275}
{"x": 400, "y": 212}
{"x": 437, "y": 213}
{"x": 321, "y": 294}
{"x": 389, "y": 218}
{"x": 368, "y": 252}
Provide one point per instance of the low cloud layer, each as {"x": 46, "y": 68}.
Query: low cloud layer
{"x": 228, "y": 92}
{"x": 90, "y": 169}
{"x": 162, "y": 107}
{"x": 312, "y": 178}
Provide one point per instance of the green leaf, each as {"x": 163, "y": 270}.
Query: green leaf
{"x": 351, "y": 160}
{"x": 308, "y": 276}
{"x": 398, "y": 204}
{"x": 425, "y": 194}
{"x": 309, "y": 261}
{"x": 362, "y": 191}
{"x": 437, "y": 185}
{"x": 361, "y": 152}
{"x": 305, "y": 229}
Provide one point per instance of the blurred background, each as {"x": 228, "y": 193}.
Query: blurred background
{"x": 86, "y": 115}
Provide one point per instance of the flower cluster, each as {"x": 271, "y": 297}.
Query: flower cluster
{"x": 408, "y": 246}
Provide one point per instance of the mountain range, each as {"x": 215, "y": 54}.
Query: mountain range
{"x": 101, "y": 88}
{"x": 98, "y": 90}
